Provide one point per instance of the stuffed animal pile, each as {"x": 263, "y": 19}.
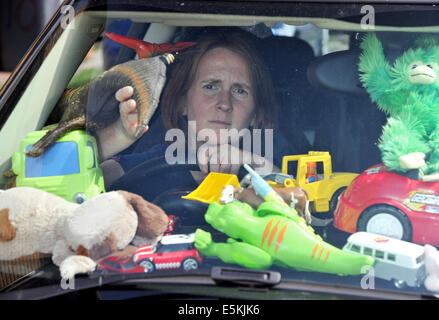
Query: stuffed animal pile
{"x": 408, "y": 91}
{"x": 77, "y": 235}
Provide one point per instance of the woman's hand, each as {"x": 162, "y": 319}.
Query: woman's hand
{"x": 223, "y": 158}
{"x": 127, "y": 110}
{"x": 226, "y": 158}
{"x": 119, "y": 135}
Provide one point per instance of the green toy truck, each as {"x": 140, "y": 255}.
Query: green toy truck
{"x": 68, "y": 169}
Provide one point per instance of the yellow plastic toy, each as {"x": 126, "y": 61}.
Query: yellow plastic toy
{"x": 210, "y": 189}
{"x": 325, "y": 189}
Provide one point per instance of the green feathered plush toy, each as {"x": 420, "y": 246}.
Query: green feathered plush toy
{"x": 408, "y": 91}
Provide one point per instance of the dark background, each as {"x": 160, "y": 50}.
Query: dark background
{"x": 20, "y": 23}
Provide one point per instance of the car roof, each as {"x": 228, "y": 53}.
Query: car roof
{"x": 178, "y": 238}
{"x": 383, "y": 243}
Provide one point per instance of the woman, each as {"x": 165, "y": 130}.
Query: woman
{"x": 224, "y": 86}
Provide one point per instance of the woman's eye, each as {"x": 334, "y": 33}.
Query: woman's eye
{"x": 240, "y": 91}
{"x": 209, "y": 86}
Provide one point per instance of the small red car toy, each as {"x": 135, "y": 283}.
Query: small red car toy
{"x": 387, "y": 203}
{"x": 174, "y": 223}
{"x": 118, "y": 264}
{"x": 171, "y": 252}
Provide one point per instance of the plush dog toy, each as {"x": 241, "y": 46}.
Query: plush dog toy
{"x": 76, "y": 235}
{"x": 408, "y": 91}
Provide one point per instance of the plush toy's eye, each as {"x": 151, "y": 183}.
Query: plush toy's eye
{"x": 429, "y": 65}
{"x": 415, "y": 64}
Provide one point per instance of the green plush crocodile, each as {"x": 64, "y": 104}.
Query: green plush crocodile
{"x": 273, "y": 234}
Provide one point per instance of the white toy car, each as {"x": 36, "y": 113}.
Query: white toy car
{"x": 395, "y": 260}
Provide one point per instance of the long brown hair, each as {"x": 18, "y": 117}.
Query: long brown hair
{"x": 185, "y": 71}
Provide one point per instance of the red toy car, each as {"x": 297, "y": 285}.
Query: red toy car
{"x": 171, "y": 252}
{"x": 118, "y": 264}
{"x": 384, "y": 202}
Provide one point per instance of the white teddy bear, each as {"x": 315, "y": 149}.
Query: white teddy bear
{"x": 76, "y": 235}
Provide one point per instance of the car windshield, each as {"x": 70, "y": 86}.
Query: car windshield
{"x": 298, "y": 138}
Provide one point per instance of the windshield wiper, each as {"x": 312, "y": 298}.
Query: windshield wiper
{"x": 217, "y": 275}
{"x": 216, "y": 282}
{"x": 245, "y": 277}
{"x": 68, "y": 286}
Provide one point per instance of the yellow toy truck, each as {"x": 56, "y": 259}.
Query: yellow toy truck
{"x": 313, "y": 172}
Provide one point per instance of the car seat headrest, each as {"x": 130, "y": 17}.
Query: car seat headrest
{"x": 337, "y": 71}
{"x": 287, "y": 57}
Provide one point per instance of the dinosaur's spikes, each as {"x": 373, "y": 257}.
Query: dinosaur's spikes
{"x": 142, "y": 48}
{"x": 172, "y": 47}
{"x": 145, "y": 49}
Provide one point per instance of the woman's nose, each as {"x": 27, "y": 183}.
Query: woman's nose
{"x": 224, "y": 102}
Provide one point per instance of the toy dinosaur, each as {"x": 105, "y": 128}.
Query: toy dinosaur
{"x": 273, "y": 235}
{"x": 408, "y": 91}
{"x": 93, "y": 105}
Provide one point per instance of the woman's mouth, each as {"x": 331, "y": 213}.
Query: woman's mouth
{"x": 219, "y": 122}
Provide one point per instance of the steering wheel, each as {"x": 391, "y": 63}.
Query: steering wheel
{"x": 154, "y": 177}
{"x": 164, "y": 184}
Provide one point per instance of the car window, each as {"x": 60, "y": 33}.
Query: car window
{"x": 349, "y": 95}
{"x": 48, "y": 166}
{"x": 173, "y": 247}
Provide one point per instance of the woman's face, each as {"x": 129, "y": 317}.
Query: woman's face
{"x": 221, "y": 95}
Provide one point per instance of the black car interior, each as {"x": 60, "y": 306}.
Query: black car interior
{"x": 352, "y": 123}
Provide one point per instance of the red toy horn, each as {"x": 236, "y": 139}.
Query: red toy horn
{"x": 145, "y": 49}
